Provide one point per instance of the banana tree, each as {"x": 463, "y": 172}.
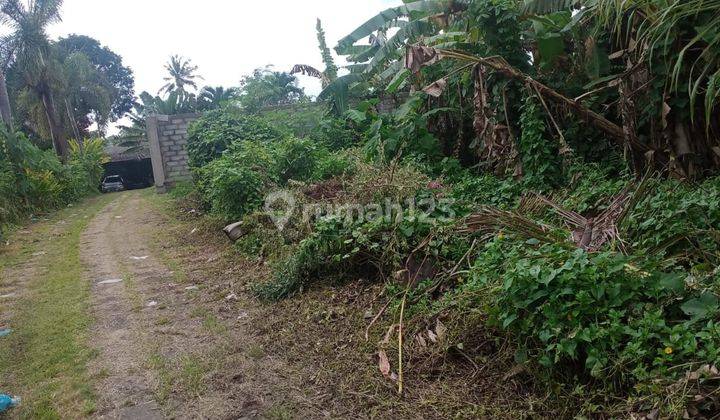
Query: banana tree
{"x": 379, "y": 60}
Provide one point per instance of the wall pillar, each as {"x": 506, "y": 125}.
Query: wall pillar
{"x": 155, "y": 154}
{"x": 168, "y": 136}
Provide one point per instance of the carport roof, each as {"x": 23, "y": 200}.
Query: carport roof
{"x": 121, "y": 154}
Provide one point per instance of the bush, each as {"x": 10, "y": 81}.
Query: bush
{"x": 542, "y": 167}
{"x": 340, "y": 245}
{"x": 235, "y": 184}
{"x": 296, "y": 159}
{"x": 299, "y": 120}
{"x": 211, "y": 135}
{"x": 84, "y": 171}
{"x": 621, "y": 320}
{"x": 331, "y": 165}
{"x": 334, "y": 134}
{"x": 35, "y": 180}
{"x": 232, "y": 188}
{"x": 679, "y": 221}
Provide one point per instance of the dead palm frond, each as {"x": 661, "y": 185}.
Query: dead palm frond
{"x": 591, "y": 233}
{"x": 308, "y": 70}
{"x": 488, "y": 221}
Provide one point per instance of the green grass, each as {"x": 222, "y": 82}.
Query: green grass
{"x": 164, "y": 385}
{"x": 45, "y": 359}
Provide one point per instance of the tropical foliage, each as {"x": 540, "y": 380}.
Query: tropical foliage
{"x": 33, "y": 180}
{"x": 570, "y": 148}
{"x": 58, "y": 89}
{"x": 266, "y": 88}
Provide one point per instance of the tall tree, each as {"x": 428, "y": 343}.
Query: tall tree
{"x": 182, "y": 73}
{"x": 5, "y": 112}
{"x": 6, "y": 55}
{"x": 108, "y": 64}
{"x": 30, "y": 50}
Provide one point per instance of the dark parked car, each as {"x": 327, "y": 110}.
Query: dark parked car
{"x": 112, "y": 183}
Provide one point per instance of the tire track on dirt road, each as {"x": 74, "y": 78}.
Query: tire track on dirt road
{"x": 173, "y": 338}
{"x": 125, "y": 385}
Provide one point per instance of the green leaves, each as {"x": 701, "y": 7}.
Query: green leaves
{"x": 544, "y": 7}
{"x": 211, "y": 135}
{"x": 568, "y": 305}
{"x": 699, "y": 308}
{"x": 388, "y": 18}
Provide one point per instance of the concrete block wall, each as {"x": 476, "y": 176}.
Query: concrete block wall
{"x": 167, "y": 135}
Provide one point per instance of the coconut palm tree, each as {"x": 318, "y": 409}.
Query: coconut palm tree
{"x": 181, "y": 74}
{"x": 214, "y": 97}
{"x": 6, "y": 55}
{"x": 28, "y": 49}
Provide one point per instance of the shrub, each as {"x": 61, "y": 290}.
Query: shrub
{"x": 471, "y": 190}
{"x": 211, "y": 135}
{"x": 45, "y": 189}
{"x": 334, "y": 134}
{"x": 234, "y": 185}
{"x": 35, "y": 180}
{"x": 680, "y": 221}
{"x": 11, "y": 205}
{"x": 299, "y": 120}
{"x": 621, "y": 320}
{"x": 84, "y": 171}
{"x": 341, "y": 245}
{"x": 233, "y": 189}
{"x": 296, "y": 159}
{"x": 331, "y": 165}
{"x": 541, "y": 164}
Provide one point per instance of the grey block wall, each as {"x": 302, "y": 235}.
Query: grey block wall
{"x": 167, "y": 135}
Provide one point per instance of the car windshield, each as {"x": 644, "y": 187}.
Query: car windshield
{"x": 112, "y": 179}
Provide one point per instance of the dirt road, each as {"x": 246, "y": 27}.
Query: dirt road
{"x": 168, "y": 334}
{"x": 125, "y": 307}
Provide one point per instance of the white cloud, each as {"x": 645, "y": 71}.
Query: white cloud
{"x": 225, "y": 39}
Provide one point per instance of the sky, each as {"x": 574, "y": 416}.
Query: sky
{"x": 225, "y": 39}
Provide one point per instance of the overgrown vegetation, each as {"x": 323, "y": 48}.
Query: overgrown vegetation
{"x": 584, "y": 231}
{"x": 33, "y": 180}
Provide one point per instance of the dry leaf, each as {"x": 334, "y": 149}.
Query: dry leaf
{"x": 665, "y": 111}
{"x": 440, "y": 330}
{"x": 388, "y": 335}
{"x": 616, "y": 54}
{"x": 421, "y": 340}
{"x": 632, "y": 44}
{"x": 383, "y": 363}
{"x": 432, "y": 336}
{"x": 417, "y": 56}
{"x": 436, "y": 88}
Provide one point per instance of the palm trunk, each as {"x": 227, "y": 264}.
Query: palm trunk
{"x": 5, "y": 112}
{"x": 56, "y": 132}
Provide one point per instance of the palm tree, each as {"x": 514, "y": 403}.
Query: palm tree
{"x": 181, "y": 74}
{"x": 215, "y": 97}
{"x": 28, "y": 48}
{"x": 6, "y": 55}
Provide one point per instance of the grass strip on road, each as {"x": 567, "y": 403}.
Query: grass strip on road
{"x": 45, "y": 359}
